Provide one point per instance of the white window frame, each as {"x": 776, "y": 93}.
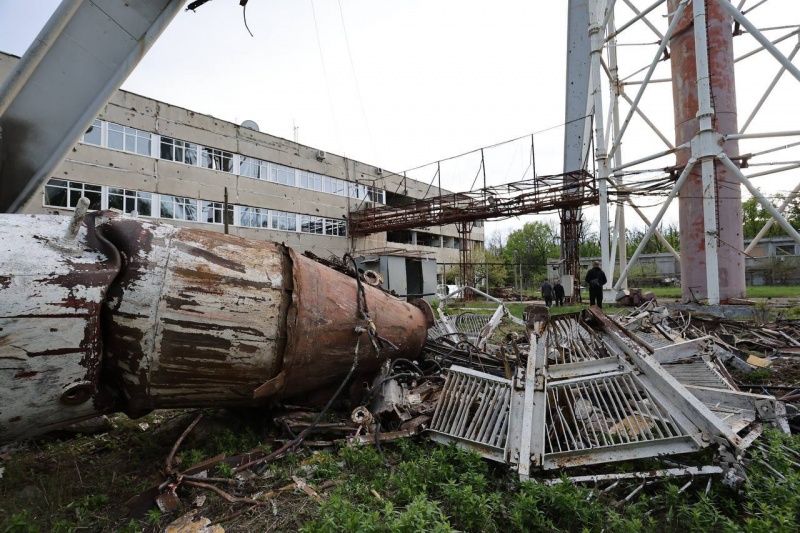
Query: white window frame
{"x": 179, "y": 205}
{"x": 335, "y": 228}
{"x": 250, "y": 162}
{"x": 136, "y": 196}
{"x": 276, "y": 171}
{"x": 260, "y": 214}
{"x": 211, "y": 153}
{"x": 178, "y": 144}
{"x": 275, "y": 218}
{"x": 218, "y": 208}
{"x": 312, "y": 225}
{"x": 100, "y": 124}
{"x": 68, "y": 189}
{"x": 133, "y": 133}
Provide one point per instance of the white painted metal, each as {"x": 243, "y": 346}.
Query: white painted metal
{"x": 789, "y": 199}
{"x": 46, "y": 107}
{"x": 788, "y": 228}
{"x": 657, "y": 233}
{"x": 52, "y": 349}
{"x": 704, "y": 150}
{"x": 659, "y": 53}
{"x": 657, "y": 220}
{"x": 772, "y": 85}
{"x": 596, "y": 12}
{"x": 756, "y": 33}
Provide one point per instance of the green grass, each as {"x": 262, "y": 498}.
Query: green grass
{"x": 81, "y": 484}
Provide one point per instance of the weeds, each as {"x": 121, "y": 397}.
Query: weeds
{"x": 421, "y": 486}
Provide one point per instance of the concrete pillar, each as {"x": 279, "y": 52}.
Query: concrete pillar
{"x": 728, "y": 193}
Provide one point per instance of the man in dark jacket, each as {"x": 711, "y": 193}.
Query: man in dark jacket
{"x": 547, "y": 293}
{"x": 558, "y": 292}
{"x": 595, "y": 279}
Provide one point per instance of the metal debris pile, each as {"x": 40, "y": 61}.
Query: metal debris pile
{"x": 579, "y": 392}
{"x": 583, "y": 389}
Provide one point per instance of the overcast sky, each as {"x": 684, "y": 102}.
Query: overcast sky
{"x": 403, "y": 84}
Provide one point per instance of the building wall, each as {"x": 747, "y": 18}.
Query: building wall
{"x": 112, "y": 168}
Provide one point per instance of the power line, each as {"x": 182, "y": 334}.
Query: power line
{"x": 355, "y": 79}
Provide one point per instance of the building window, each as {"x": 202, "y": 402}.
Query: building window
{"x": 94, "y": 135}
{"x": 178, "y": 208}
{"x": 309, "y": 180}
{"x": 284, "y": 221}
{"x": 253, "y": 168}
{"x": 312, "y": 224}
{"x": 335, "y": 227}
{"x": 253, "y": 217}
{"x": 128, "y": 139}
{"x": 281, "y": 174}
{"x": 217, "y": 159}
{"x": 62, "y": 193}
{"x": 212, "y": 213}
{"x": 784, "y": 249}
{"x": 130, "y": 201}
{"x": 178, "y": 151}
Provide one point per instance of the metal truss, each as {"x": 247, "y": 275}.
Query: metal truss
{"x": 537, "y": 195}
{"x": 616, "y": 28}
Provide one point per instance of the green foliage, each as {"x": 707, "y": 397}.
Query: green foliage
{"x": 21, "y": 523}
{"x": 224, "y": 470}
{"x": 532, "y": 245}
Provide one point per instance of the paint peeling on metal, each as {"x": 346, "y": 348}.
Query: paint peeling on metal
{"x": 147, "y": 315}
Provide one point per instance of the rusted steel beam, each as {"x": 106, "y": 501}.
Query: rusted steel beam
{"x": 145, "y": 315}
{"x": 539, "y": 195}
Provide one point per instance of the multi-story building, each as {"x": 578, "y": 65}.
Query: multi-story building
{"x": 172, "y": 164}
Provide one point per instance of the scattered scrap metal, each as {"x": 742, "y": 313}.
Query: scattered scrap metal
{"x": 562, "y": 392}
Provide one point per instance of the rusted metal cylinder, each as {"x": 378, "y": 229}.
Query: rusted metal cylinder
{"x": 728, "y": 194}
{"x": 174, "y": 317}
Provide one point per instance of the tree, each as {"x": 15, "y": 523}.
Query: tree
{"x": 484, "y": 263}
{"x": 532, "y": 245}
{"x": 754, "y": 216}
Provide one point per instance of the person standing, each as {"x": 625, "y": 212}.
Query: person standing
{"x": 558, "y": 292}
{"x": 595, "y": 279}
{"x": 547, "y": 293}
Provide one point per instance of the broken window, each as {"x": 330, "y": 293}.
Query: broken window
{"x": 284, "y": 221}
{"x": 253, "y": 168}
{"x": 128, "y": 139}
{"x": 178, "y": 208}
{"x": 217, "y": 159}
{"x": 62, "y": 193}
{"x": 312, "y": 224}
{"x": 129, "y": 201}
{"x": 178, "y": 151}
{"x": 212, "y": 213}
{"x": 253, "y": 217}
{"x": 94, "y": 135}
{"x": 281, "y": 174}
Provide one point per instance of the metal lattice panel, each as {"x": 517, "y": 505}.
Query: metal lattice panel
{"x": 570, "y": 341}
{"x": 604, "y": 412}
{"x": 471, "y": 324}
{"x": 474, "y": 411}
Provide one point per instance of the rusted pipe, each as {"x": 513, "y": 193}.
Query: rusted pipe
{"x": 685, "y": 96}
{"x": 152, "y": 316}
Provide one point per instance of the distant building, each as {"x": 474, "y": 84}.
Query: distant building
{"x": 175, "y": 165}
{"x": 773, "y": 261}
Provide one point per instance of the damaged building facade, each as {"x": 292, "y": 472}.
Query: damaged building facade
{"x": 171, "y": 164}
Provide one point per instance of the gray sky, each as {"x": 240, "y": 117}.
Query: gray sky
{"x": 401, "y": 84}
